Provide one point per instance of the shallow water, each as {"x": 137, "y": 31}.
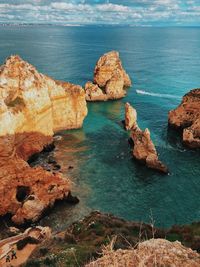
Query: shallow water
{"x": 163, "y": 64}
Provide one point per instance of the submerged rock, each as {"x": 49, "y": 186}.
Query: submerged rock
{"x": 143, "y": 147}
{"x": 110, "y": 79}
{"x": 187, "y": 117}
{"x": 32, "y": 107}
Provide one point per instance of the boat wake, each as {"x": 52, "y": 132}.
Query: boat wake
{"x": 142, "y": 92}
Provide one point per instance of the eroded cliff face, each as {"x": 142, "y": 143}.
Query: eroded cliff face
{"x": 110, "y": 79}
{"x": 143, "y": 149}
{"x": 32, "y": 107}
{"x": 187, "y": 117}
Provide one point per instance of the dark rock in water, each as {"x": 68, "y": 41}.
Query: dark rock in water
{"x": 130, "y": 141}
{"x": 72, "y": 199}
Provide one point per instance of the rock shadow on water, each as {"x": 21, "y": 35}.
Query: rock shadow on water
{"x": 174, "y": 137}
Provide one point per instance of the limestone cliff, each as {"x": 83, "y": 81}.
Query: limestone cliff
{"x": 144, "y": 149}
{"x": 187, "y": 117}
{"x": 110, "y": 79}
{"x": 32, "y": 107}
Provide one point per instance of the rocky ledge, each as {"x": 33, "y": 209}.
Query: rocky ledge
{"x": 187, "y": 117}
{"x": 110, "y": 79}
{"x": 32, "y": 107}
{"x": 143, "y": 149}
{"x": 153, "y": 252}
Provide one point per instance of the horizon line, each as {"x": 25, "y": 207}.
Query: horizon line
{"x": 96, "y": 24}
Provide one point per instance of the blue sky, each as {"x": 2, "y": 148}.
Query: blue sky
{"x": 81, "y": 12}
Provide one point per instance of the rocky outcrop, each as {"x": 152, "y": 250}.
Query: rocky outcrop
{"x": 187, "y": 117}
{"x": 94, "y": 93}
{"x": 110, "y": 79}
{"x": 32, "y": 107}
{"x": 130, "y": 116}
{"x": 153, "y": 252}
{"x": 144, "y": 149}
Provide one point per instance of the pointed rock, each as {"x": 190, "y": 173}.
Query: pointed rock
{"x": 130, "y": 116}
{"x": 144, "y": 149}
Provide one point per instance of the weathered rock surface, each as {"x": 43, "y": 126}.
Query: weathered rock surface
{"x": 94, "y": 93}
{"x": 144, "y": 149}
{"x": 130, "y": 116}
{"x": 187, "y": 117}
{"x": 110, "y": 79}
{"x": 32, "y": 107}
{"x": 154, "y": 252}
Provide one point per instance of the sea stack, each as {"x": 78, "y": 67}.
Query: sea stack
{"x": 130, "y": 116}
{"x": 33, "y": 107}
{"x": 110, "y": 79}
{"x": 143, "y": 149}
{"x": 187, "y": 117}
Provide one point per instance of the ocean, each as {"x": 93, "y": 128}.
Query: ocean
{"x": 163, "y": 64}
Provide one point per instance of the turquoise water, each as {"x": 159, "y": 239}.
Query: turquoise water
{"x": 163, "y": 64}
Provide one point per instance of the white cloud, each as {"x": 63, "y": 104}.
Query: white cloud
{"x": 113, "y": 8}
{"x": 145, "y": 11}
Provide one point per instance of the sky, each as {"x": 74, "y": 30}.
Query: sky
{"x": 112, "y": 12}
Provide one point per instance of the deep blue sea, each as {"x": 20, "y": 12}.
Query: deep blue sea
{"x": 163, "y": 63}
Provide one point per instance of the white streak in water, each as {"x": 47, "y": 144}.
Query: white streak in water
{"x": 142, "y": 92}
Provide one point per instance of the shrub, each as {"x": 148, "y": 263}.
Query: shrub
{"x": 27, "y": 240}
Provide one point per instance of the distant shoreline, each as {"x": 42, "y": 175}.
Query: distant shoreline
{"x": 92, "y": 25}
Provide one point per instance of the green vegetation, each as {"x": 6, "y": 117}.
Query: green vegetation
{"x": 83, "y": 241}
{"x": 27, "y": 240}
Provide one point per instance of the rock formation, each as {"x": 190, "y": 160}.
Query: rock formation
{"x": 153, "y": 252}
{"x": 144, "y": 149}
{"x": 110, "y": 79}
{"x": 94, "y": 93}
{"x": 130, "y": 116}
{"x": 187, "y": 117}
{"x": 32, "y": 107}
